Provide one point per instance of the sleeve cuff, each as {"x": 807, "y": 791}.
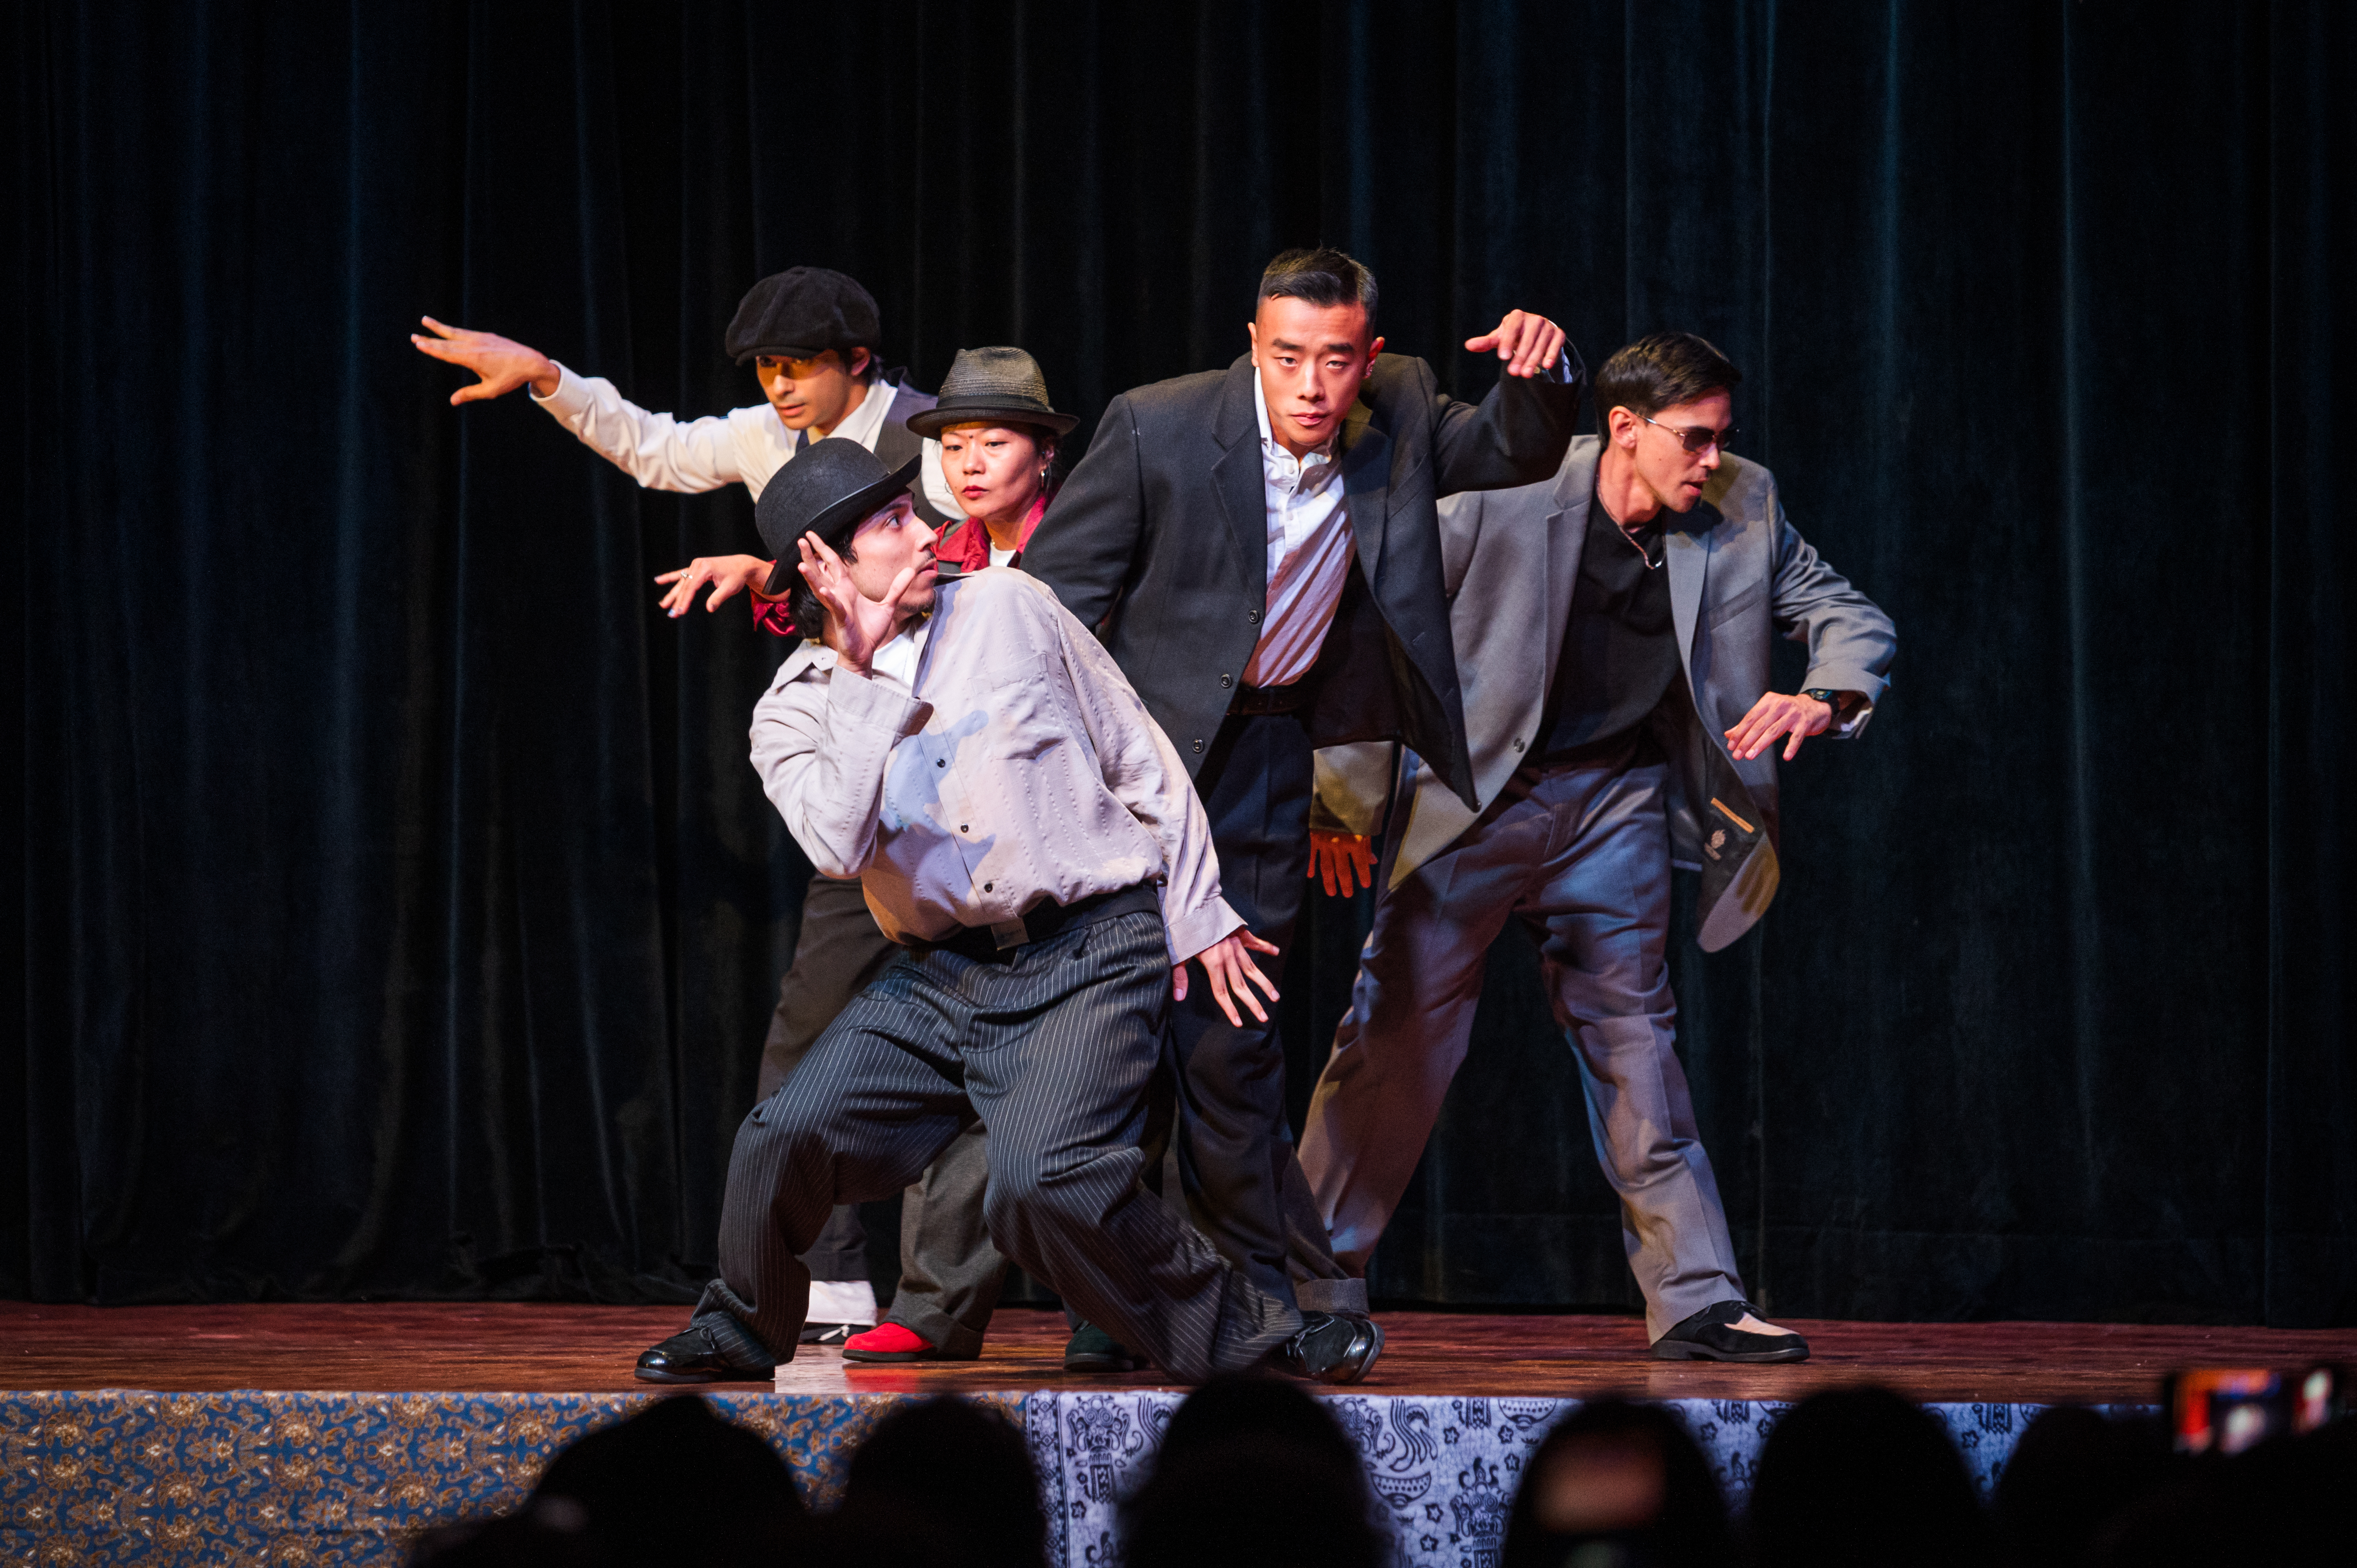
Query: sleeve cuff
{"x": 873, "y": 704}
{"x": 570, "y": 396}
{"x": 1191, "y": 933}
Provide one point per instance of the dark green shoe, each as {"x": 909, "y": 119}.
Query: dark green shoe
{"x": 1092, "y": 1349}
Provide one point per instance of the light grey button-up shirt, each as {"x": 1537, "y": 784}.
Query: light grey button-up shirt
{"x": 1019, "y": 764}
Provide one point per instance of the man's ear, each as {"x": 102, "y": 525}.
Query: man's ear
{"x": 857, "y": 364}
{"x": 1373, "y": 349}
{"x": 1251, "y": 335}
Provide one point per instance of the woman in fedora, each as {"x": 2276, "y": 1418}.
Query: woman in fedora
{"x": 998, "y": 438}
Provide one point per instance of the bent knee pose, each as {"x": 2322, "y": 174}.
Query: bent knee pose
{"x": 1021, "y": 827}
{"x": 1259, "y": 546}
{"x": 996, "y": 435}
{"x": 812, "y": 336}
{"x": 1616, "y": 701}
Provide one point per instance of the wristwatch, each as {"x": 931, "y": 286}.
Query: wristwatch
{"x": 1838, "y": 701}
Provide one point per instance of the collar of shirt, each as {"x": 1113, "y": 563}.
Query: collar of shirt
{"x": 894, "y": 662}
{"x": 862, "y": 422}
{"x": 1280, "y": 467}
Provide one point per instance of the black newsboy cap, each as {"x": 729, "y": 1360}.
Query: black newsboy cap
{"x": 802, "y": 313}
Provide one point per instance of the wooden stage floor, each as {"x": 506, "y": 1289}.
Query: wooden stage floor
{"x": 530, "y": 1349}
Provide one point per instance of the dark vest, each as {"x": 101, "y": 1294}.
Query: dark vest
{"x": 896, "y": 443}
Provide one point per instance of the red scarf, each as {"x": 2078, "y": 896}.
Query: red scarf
{"x": 968, "y": 545}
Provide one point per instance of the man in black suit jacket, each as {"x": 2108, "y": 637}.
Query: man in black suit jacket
{"x": 1260, "y": 550}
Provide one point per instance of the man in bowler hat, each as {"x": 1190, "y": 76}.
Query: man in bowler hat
{"x": 1022, "y": 827}
{"x": 1260, "y": 548}
{"x": 812, "y": 335}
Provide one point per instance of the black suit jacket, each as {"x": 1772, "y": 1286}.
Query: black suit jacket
{"x": 1160, "y": 538}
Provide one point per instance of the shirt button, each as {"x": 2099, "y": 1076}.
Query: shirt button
{"x": 941, "y": 762}
{"x": 1226, "y": 681}
{"x": 1518, "y": 745}
{"x": 988, "y": 885}
{"x": 961, "y": 827}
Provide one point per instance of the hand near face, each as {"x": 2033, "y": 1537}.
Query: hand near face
{"x": 1338, "y": 858}
{"x": 503, "y": 363}
{"x": 1226, "y": 965}
{"x": 728, "y": 575}
{"x": 1776, "y": 714}
{"x": 1529, "y": 344}
{"x": 856, "y": 626}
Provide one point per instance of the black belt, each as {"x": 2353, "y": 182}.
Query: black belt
{"x": 1047, "y": 919}
{"x": 1271, "y": 699}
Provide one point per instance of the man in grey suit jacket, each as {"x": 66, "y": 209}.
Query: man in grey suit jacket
{"x": 1618, "y": 718}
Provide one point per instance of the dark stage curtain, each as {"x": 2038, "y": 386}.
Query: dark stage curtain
{"x": 398, "y": 915}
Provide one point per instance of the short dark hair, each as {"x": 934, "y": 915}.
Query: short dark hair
{"x": 1324, "y": 277}
{"x": 1661, "y": 372}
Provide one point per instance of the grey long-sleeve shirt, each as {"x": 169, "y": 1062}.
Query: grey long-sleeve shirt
{"x": 1018, "y": 765}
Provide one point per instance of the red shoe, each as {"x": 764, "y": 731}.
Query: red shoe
{"x": 889, "y": 1342}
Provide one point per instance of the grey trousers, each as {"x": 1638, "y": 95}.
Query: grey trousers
{"x": 1054, "y": 1047}
{"x": 1581, "y": 855}
{"x": 950, "y": 1273}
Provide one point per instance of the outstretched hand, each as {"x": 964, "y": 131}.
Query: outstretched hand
{"x": 856, "y": 626}
{"x": 1775, "y": 715}
{"x": 1339, "y": 858}
{"x": 1226, "y": 965}
{"x": 1529, "y": 344}
{"x": 503, "y": 363}
{"x": 728, "y": 575}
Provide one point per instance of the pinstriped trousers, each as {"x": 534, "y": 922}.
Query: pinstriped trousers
{"x": 1055, "y": 1047}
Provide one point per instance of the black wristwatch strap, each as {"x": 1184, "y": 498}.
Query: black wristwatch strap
{"x": 1838, "y": 701}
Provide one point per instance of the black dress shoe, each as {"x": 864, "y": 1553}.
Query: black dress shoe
{"x": 832, "y": 1332}
{"x": 1092, "y": 1349}
{"x": 716, "y": 1349}
{"x": 1332, "y": 1346}
{"x": 1710, "y": 1335}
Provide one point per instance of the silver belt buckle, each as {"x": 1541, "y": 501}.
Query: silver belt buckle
{"x": 1009, "y": 933}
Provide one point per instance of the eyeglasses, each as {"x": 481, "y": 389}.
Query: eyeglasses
{"x": 1697, "y": 437}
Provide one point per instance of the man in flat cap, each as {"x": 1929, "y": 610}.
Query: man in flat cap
{"x": 811, "y": 334}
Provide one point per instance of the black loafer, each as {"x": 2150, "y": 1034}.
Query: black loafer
{"x": 832, "y": 1332}
{"x": 1092, "y": 1349}
{"x": 1710, "y": 1335}
{"x": 716, "y": 1349}
{"x": 1332, "y": 1346}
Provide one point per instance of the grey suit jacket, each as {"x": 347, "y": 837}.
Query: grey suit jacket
{"x": 1740, "y": 574}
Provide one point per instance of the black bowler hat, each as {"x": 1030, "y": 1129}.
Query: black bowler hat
{"x": 998, "y": 384}
{"x": 801, "y": 312}
{"x": 830, "y": 489}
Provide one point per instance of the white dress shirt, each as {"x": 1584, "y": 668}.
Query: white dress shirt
{"x": 744, "y": 445}
{"x": 1018, "y": 764}
{"x": 1309, "y": 550}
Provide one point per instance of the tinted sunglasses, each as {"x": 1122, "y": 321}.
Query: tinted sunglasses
{"x": 1697, "y": 437}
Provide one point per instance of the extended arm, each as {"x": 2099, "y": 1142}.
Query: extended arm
{"x": 1516, "y": 435}
{"x": 1084, "y": 547}
{"x": 1851, "y": 643}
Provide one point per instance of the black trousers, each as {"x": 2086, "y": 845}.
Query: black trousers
{"x": 1055, "y": 1048}
{"x": 1237, "y": 1162}
{"x": 950, "y": 1273}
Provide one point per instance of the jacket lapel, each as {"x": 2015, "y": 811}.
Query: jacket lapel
{"x": 1689, "y": 566}
{"x": 1366, "y": 457}
{"x": 1566, "y": 542}
{"x": 1237, "y": 479}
